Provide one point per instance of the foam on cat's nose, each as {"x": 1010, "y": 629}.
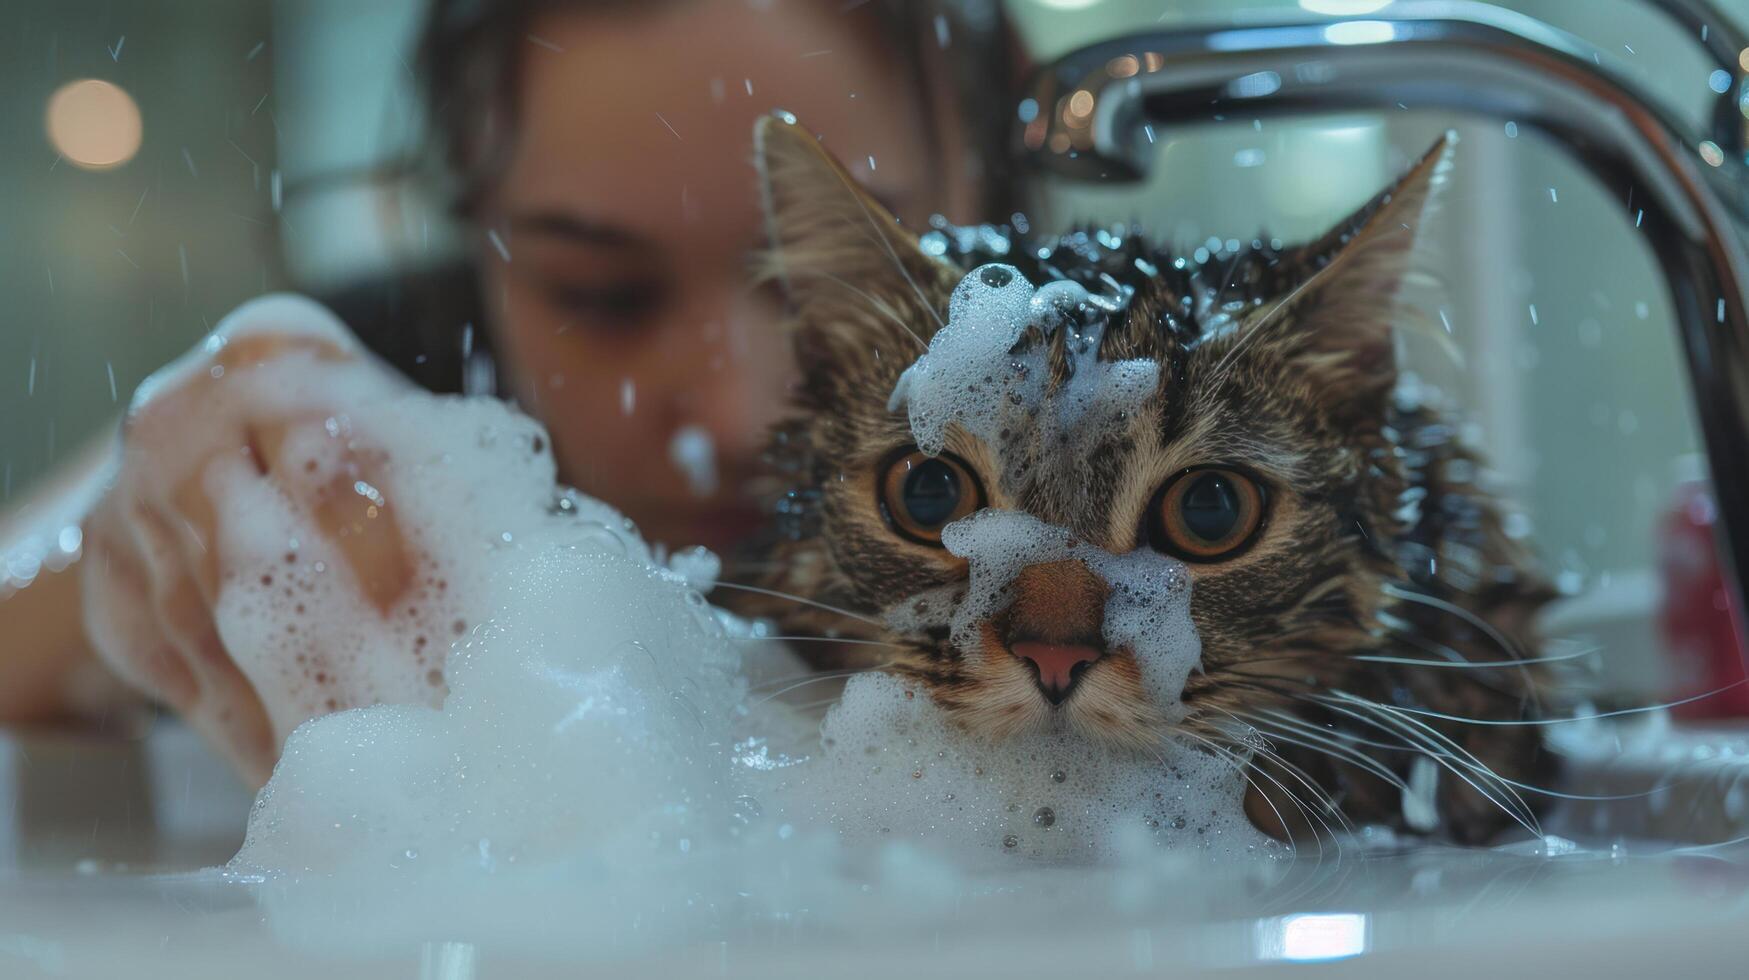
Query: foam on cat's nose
{"x": 1146, "y": 613}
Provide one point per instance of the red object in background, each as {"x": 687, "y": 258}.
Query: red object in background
{"x": 1699, "y": 620}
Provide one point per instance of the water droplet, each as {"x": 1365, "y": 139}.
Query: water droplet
{"x": 1044, "y": 816}
{"x": 1177, "y": 823}
{"x": 995, "y": 276}
{"x": 1059, "y": 776}
{"x": 1010, "y": 841}
{"x": 746, "y": 809}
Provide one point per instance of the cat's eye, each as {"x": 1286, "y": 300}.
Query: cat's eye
{"x": 921, "y": 494}
{"x": 1206, "y": 514}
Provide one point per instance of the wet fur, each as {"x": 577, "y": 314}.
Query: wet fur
{"x": 1277, "y": 360}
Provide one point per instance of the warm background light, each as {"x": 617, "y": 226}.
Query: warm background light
{"x": 94, "y": 124}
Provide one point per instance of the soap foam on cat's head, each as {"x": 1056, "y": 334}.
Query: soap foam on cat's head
{"x": 987, "y": 371}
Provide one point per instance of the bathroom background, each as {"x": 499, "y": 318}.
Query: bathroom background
{"x": 243, "y": 146}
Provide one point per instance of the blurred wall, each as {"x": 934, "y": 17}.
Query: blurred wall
{"x": 107, "y": 274}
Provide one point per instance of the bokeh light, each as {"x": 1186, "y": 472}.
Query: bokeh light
{"x": 94, "y": 124}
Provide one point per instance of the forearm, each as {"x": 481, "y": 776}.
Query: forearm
{"x": 48, "y": 671}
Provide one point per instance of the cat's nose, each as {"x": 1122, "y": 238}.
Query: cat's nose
{"x": 1059, "y": 665}
{"x": 1055, "y": 623}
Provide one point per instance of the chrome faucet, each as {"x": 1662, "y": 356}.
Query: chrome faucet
{"x": 1092, "y": 115}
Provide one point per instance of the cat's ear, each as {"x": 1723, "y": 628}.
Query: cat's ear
{"x": 856, "y": 279}
{"x": 1338, "y": 319}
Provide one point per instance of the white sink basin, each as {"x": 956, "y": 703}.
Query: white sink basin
{"x": 104, "y": 839}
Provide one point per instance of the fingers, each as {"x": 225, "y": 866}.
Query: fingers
{"x": 256, "y": 440}
{"x": 119, "y": 616}
{"x": 355, "y": 515}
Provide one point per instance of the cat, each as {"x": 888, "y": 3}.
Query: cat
{"x": 1346, "y": 568}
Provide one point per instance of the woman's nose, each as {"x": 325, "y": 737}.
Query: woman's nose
{"x": 743, "y": 380}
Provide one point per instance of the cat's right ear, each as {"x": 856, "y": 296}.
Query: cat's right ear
{"x": 856, "y": 280}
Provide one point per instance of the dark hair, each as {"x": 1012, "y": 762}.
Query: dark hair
{"x": 428, "y": 322}
{"x": 470, "y": 59}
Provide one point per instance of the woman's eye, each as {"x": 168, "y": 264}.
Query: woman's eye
{"x": 618, "y": 305}
{"x": 920, "y": 495}
{"x": 1206, "y": 514}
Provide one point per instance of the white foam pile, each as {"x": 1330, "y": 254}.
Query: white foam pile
{"x": 599, "y": 742}
{"x": 892, "y": 767}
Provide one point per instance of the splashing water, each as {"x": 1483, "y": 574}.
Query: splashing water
{"x": 693, "y": 453}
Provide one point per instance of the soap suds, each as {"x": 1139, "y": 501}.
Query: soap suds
{"x": 988, "y": 372}
{"x": 1147, "y": 613}
{"x": 597, "y": 745}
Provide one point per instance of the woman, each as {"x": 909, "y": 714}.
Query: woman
{"x": 598, "y": 153}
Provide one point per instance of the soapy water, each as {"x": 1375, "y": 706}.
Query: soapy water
{"x": 587, "y": 729}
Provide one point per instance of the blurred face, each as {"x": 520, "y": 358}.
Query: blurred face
{"x": 628, "y": 214}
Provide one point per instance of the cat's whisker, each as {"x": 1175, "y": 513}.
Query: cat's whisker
{"x": 874, "y": 225}
{"x": 1433, "y": 602}
{"x": 1539, "y": 722}
{"x": 1239, "y": 767}
{"x": 1514, "y": 654}
{"x": 1515, "y": 784}
{"x": 825, "y": 639}
{"x": 814, "y": 705}
{"x": 1387, "y": 719}
{"x": 1307, "y": 736}
{"x": 1326, "y": 803}
{"x": 815, "y": 675}
{"x": 1269, "y": 318}
{"x": 1321, "y": 794}
{"x": 879, "y": 306}
{"x": 1473, "y": 664}
{"x": 801, "y": 599}
{"x": 1305, "y": 727}
{"x": 830, "y": 675}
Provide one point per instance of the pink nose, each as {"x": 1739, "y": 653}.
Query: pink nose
{"x": 1056, "y": 663}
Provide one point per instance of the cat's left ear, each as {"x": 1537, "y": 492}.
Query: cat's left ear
{"x": 856, "y": 279}
{"x": 1338, "y": 320}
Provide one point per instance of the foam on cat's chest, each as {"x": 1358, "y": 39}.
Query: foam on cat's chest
{"x": 988, "y": 369}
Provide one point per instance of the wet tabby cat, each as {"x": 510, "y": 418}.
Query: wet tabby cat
{"x": 1343, "y": 561}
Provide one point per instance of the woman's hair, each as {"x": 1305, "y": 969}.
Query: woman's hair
{"x": 428, "y": 322}
{"x": 955, "y": 53}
